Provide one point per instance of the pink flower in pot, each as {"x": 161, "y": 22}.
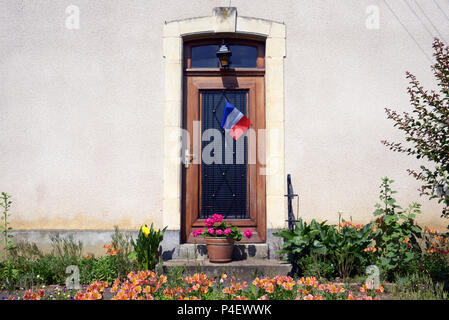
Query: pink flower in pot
{"x": 217, "y": 218}
{"x": 197, "y": 232}
{"x": 219, "y": 237}
{"x": 209, "y": 222}
{"x": 248, "y": 233}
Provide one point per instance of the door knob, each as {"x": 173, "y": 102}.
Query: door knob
{"x": 187, "y": 158}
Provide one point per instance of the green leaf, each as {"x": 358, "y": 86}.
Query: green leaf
{"x": 391, "y": 201}
{"x": 286, "y": 234}
{"x": 378, "y": 212}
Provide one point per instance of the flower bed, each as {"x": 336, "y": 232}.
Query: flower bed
{"x": 147, "y": 285}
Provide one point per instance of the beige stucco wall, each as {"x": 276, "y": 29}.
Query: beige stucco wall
{"x": 81, "y": 111}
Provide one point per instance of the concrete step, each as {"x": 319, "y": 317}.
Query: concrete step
{"x": 243, "y": 270}
{"x": 258, "y": 251}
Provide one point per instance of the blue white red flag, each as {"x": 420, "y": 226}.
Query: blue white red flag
{"x": 234, "y": 122}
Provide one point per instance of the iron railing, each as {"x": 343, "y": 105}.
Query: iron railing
{"x": 290, "y": 196}
{"x": 292, "y": 219}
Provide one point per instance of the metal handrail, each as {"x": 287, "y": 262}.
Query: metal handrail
{"x": 290, "y": 196}
{"x": 291, "y": 218}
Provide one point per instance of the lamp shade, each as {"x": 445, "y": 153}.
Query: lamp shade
{"x": 223, "y": 55}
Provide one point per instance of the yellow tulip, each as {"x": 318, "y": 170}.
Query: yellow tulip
{"x": 146, "y": 231}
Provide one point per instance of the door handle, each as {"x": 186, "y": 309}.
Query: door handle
{"x": 187, "y": 156}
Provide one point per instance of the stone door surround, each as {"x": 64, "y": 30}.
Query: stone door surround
{"x": 224, "y": 20}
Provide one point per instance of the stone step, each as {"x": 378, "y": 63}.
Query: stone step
{"x": 250, "y": 251}
{"x": 242, "y": 270}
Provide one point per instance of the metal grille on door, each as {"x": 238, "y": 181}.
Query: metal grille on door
{"x": 223, "y": 183}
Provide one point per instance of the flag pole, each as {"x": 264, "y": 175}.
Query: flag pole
{"x": 224, "y": 95}
{"x": 226, "y": 99}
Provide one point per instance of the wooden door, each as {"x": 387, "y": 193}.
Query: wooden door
{"x": 235, "y": 190}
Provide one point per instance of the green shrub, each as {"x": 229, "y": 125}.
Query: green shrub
{"x": 24, "y": 250}
{"x": 418, "y": 286}
{"x": 436, "y": 266}
{"x": 5, "y": 230}
{"x": 396, "y": 235}
{"x": 123, "y": 242}
{"x": 9, "y": 275}
{"x": 426, "y": 129}
{"x": 67, "y": 249}
{"x": 305, "y": 241}
{"x": 175, "y": 275}
{"x": 348, "y": 248}
{"x": 317, "y": 266}
{"x": 435, "y": 258}
{"x": 27, "y": 267}
{"x": 340, "y": 249}
{"x": 101, "y": 268}
{"x": 49, "y": 270}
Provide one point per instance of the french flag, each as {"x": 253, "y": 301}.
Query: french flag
{"x": 234, "y": 121}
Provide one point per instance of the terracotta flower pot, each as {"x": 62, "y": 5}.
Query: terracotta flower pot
{"x": 219, "y": 249}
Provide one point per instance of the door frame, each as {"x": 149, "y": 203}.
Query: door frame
{"x": 175, "y": 34}
{"x": 191, "y": 176}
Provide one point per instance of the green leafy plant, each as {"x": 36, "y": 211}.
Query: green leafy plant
{"x": 435, "y": 259}
{"x": 49, "y": 269}
{"x": 175, "y": 275}
{"x": 436, "y": 266}
{"x": 123, "y": 241}
{"x": 5, "y": 229}
{"x": 147, "y": 247}
{"x": 67, "y": 249}
{"x": 316, "y": 265}
{"x": 396, "y": 233}
{"x": 23, "y": 256}
{"x": 102, "y": 268}
{"x": 9, "y": 274}
{"x": 428, "y": 130}
{"x": 418, "y": 286}
{"x": 304, "y": 241}
{"x": 341, "y": 248}
{"x": 25, "y": 250}
{"x": 349, "y": 247}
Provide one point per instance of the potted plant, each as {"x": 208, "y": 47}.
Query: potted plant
{"x": 220, "y": 237}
